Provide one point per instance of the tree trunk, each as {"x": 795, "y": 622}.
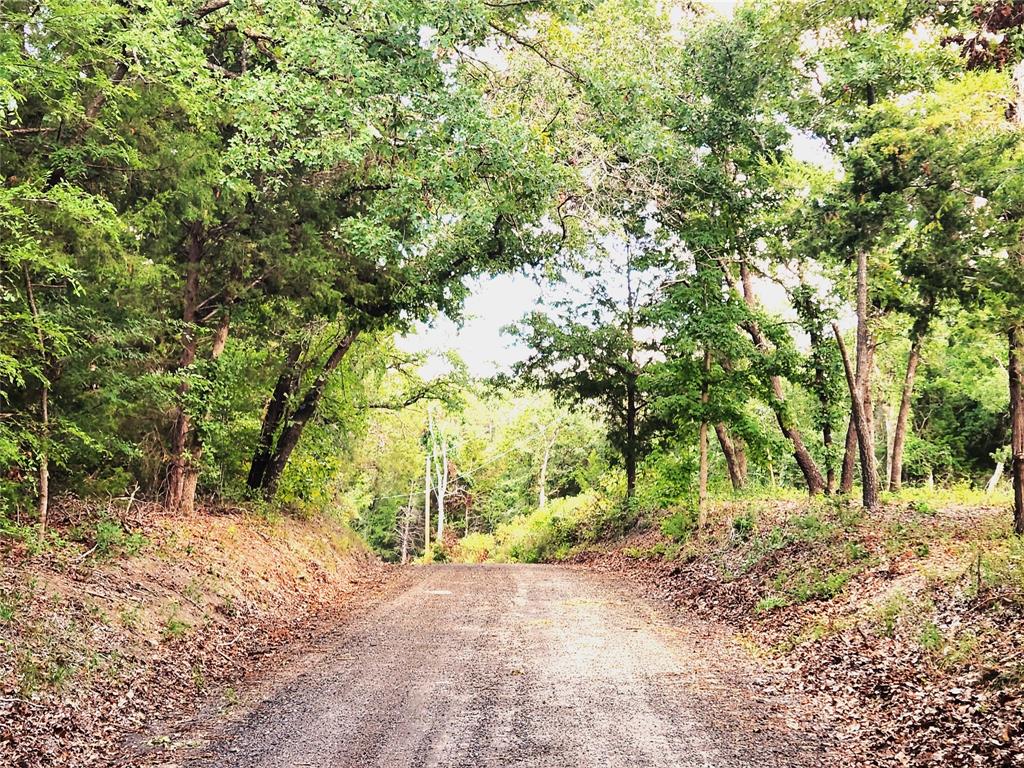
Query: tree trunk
{"x": 849, "y": 458}
{"x": 1016, "y": 338}
{"x": 406, "y": 523}
{"x": 43, "y": 499}
{"x": 177, "y": 484}
{"x": 830, "y": 470}
{"x": 190, "y": 481}
{"x": 441, "y": 487}
{"x": 289, "y": 437}
{"x": 287, "y": 381}
{"x": 542, "y": 492}
{"x": 865, "y": 362}
{"x": 903, "y": 417}
{"x": 731, "y": 451}
{"x": 426, "y": 506}
{"x": 885, "y": 414}
{"x": 997, "y": 475}
{"x": 812, "y": 475}
{"x": 43, "y": 505}
{"x": 869, "y": 475}
{"x": 631, "y": 447}
{"x": 817, "y": 342}
{"x": 702, "y": 484}
{"x": 865, "y": 352}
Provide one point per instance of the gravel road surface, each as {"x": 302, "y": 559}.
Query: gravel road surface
{"x": 517, "y": 666}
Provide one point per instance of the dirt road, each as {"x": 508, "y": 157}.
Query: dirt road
{"x": 517, "y": 666}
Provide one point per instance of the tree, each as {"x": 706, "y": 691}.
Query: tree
{"x": 591, "y": 351}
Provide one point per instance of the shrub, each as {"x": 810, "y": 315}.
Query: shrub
{"x": 743, "y": 525}
{"x": 475, "y": 548}
{"x": 550, "y": 533}
{"x": 680, "y": 525}
{"x": 111, "y": 539}
{"x": 770, "y": 603}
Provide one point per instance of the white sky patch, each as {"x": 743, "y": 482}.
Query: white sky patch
{"x": 808, "y": 148}
{"x": 493, "y": 303}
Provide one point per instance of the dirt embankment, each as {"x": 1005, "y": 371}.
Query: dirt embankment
{"x": 125, "y": 620}
{"x": 910, "y": 621}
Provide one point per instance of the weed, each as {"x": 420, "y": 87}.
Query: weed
{"x": 890, "y": 612}
{"x": 193, "y": 590}
{"x": 174, "y": 627}
{"x": 762, "y": 546}
{"x": 231, "y": 697}
{"x": 130, "y": 617}
{"x": 810, "y": 527}
{"x": 110, "y": 539}
{"x": 743, "y": 525}
{"x": 931, "y": 638}
{"x": 680, "y": 525}
{"x": 198, "y": 678}
{"x": 923, "y": 508}
{"x": 812, "y": 584}
{"x": 856, "y": 552}
{"x": 770, "y": 603}
{"x": 9, "y": 607}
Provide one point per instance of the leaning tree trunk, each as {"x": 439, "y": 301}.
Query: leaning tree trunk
{"x": 826, "y": 428}
{"x": 903, "y": 417}
{"x": 812, "y": 475}
{"x": 1016, "y": 338}
{"x": 865, "y": 362}
{"x": 869, "y": 474}
{"x": 849, "y": 457}
{"x": 289, "y": 437}
{"x": 176, "y": 499}
{"x": 731, "y": 451}
{"x": 287, "y": 382}
{"x": 43, "y": 500}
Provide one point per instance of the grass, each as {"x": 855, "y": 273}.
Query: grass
{"x": 174, "y": 626}
{"x": 9, "y": 602}
{"x": 770, "y": 603}
{"x": 812, "y": 584}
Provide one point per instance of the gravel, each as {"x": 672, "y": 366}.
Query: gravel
{"x": 518, "y": 665}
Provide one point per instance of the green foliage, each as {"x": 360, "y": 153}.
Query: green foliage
{"x": 200, "y": 205}
{"x": 744, "y": 525}
{"x": 550, "y": 533}
{"x": 107, "y": 538}
{"x": 770, "y": 603}
{"x": 681, "y": 524}
{"x": 813, "y": 584}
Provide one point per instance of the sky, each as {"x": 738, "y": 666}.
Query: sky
{"x": 496, "y": 302}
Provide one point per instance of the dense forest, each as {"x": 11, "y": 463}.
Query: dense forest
{"x": 785, "y": 245}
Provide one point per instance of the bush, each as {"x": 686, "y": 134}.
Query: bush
{"x": 680, "y": 525}
{"x": 475, "y": 548}
{"x": 551, "y": 533}
{"x": 743, "y": 525}
{"x": 109, "y": 539}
